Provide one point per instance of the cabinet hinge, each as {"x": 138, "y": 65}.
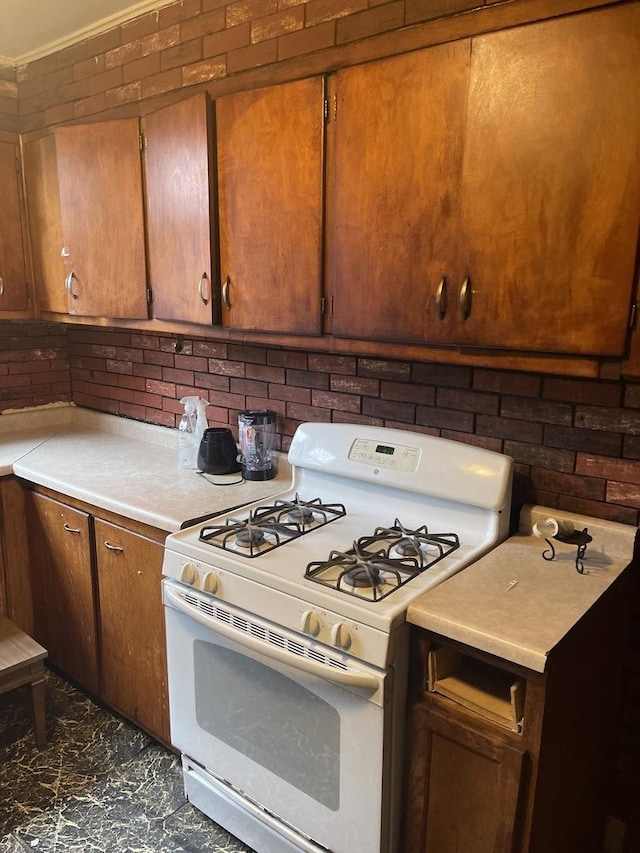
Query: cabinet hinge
{"x": 149, "y": 295}
{"x": 142, "y": 141}
{"x": 633, "y": 315}
{"x": 330, "y": 108}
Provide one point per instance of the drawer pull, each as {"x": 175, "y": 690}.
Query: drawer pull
{"x": 111, "y": 547}
{"x": 75, "y": 530}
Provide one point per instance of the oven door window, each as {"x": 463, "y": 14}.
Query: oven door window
{"x": 270, "y": 718}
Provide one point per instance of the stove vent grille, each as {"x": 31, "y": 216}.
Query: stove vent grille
{"x": 262, "y": 632}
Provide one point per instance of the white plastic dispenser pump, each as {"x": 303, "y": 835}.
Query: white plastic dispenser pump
{"x": 187, "y": 440}
{"x": 201, "y": 421}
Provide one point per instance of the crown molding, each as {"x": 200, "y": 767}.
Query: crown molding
{"x": 99, "y": 27}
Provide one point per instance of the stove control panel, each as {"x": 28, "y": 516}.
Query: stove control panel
{"x": 397, "y": 457}
{"x": 195, "y": 575}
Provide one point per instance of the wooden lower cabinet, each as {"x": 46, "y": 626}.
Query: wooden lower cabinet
{"x": 131, "y": 626}
{"x": 97, "y": 605}
{"x": 62, "y": 587}
{"x": 504, "y": 759}
{"x": 480, "y": 773}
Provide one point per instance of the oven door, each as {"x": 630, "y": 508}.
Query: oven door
{"x": 294, "y": 726}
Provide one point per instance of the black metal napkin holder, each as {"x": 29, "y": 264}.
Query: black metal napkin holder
{"x": 579, "y": 538}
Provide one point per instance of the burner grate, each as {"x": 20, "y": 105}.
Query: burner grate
{"x": 379, "y": 564}
{"x": 269, "y": 526}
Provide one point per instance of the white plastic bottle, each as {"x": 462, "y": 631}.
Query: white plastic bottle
{"x": 187, "y": 444}
{"x": 201, "y": 421}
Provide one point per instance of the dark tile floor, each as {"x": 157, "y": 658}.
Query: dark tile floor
{"x": 100, "y": 785}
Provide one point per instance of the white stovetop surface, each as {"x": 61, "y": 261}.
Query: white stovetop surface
{"x": 120, "y": 465}
{"x": 514, "y": 604}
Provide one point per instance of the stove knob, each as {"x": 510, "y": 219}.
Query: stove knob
{"x": 341, "y": 636}
{"x": 310, "y": 623}
{"x": 188, "y": 574}
{"x": 210, "y": 583}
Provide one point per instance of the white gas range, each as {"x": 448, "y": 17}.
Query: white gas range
{"x": 286, "y": 634}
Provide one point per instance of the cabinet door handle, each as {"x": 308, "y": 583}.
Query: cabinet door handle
{"x": 441, "y": 298}
{"x": 202, "y": 288}
{"x": 71, "y": 529}
{"x": 111, "y": 547}
{"x": 465, "y": 298}
{"x": 225, "y": 293}
{"x": 1, "y": 286}
{"x": 68, "y": 283}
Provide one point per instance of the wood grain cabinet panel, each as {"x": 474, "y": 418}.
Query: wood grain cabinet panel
{"x": 13, "y": 276}
{"x": 551, "y": 184}
{"x": 100, "y": 180}
{"x": 270, "y": 189}
{"x": 60, "y": 544}
{"x": 180, "y": 218}
{"x": 469, "y": 783}
{"x": 487, "y": 192}
{"x": 394, "y": 219}
{"x": 45, "y": 224}
{"x": 132, "y": 635}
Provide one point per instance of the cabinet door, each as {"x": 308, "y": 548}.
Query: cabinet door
{"x": 463, "y": 787}
{"x": 179, "y": 216}
{"x": 43, "y": 200}
{"x": 13, "y": 278}
{"x": 394, "y": 225}
{"x": 99, "y": 174}
{"x": 62, "y": 587}
{"x": 551, "y": 183}
{"x": 132, "y": 636}
{"x": 270, "y": 163}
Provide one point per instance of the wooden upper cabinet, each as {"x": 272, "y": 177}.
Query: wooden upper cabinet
{"x": 394, "y": 218}
{"x": 13, "y": 276}
{"x": 487, "y": 192}
{"x": 551, "y": 184}
{"x": 179, "y": 213}
{"x": 43, "y": 200}
{"x": 270, "y": 182}
{"x": 99, "y": 174}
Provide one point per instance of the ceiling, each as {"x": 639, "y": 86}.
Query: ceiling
{"x": 30, "y": 29}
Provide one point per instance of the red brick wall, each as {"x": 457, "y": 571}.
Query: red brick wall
{"x": 34, "y": 365}
{"x": 205, "y": 42}
{"x": 576, "y": 442}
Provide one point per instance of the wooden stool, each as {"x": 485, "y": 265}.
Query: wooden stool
{"x": 22, "y": 662}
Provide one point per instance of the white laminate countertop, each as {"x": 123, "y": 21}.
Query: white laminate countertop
{"x": 514, "y": 604}
{"x": 124, "y": 466}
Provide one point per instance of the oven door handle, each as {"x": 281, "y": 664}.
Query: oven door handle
{"x": 347, "y": 678}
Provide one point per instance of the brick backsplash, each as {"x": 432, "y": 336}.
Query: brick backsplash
{"x": 575, "y": 442}
{"x": 34, "y": 365}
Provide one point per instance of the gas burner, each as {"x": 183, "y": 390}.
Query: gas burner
{"x": 364, "y": 576}
{"x": 249, "y": 536}
{"x": 426, "y": 547}
{"x": 377, "y": 565}
{"x": 257, "y": 534}
{"x": 308, "y": 514}
{"x": 370, "y": 575}
{"x": 271, "y": 525}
